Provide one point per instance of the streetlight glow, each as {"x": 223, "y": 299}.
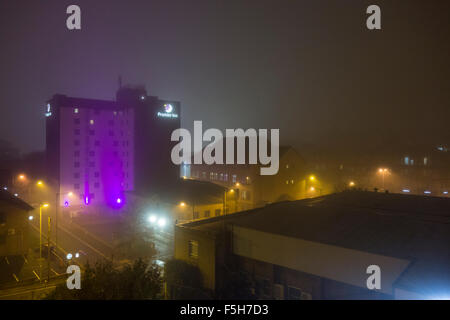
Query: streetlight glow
{"x": 40, "y": 183}
{"x": 182, "y": 204}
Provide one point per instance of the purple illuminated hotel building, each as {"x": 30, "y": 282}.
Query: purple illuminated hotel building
{"x": 98, "y": 151}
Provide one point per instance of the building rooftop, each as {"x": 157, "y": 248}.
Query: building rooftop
{"x": 414, "y": 228}
{"x": 9, "y": 198}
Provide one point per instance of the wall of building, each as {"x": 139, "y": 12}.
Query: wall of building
{"x": 14, "y": 231}
{"x": 206, "y": 252}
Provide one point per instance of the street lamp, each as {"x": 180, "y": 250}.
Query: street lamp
{"x": 383, "y": 172}
{"x": 40, "y": 183}
{"x": 44, "y": 205}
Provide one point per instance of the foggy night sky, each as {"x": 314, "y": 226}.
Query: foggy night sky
{"x": 310, "y": 68}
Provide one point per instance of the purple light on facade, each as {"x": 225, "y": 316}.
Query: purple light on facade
{"x": 66, "y": 203}
{"x": 119, "y": 200}
{"x": 86, "y": 200}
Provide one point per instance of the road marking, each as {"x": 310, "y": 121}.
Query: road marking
{"x": 84, "y": 242}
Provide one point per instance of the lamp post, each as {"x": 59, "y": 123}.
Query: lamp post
{"x": 383, "y": 171}
{"x": 44, "y": 205}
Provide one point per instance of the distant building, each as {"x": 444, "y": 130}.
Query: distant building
{"x": 99, "y": 150}
{"x": 250, "y": 189}
{"x": 321, "y": 248}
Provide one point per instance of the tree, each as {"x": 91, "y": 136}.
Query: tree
{"x": 104, "y": 282}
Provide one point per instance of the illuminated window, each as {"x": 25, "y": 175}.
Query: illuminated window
{"x": 211, "y": 176}
{"x": 207, "y": 213}
{"x": 91, "y": 121}
{"x": 217, "y": 212}
{"x": 225, "y": 177}
{"x": 406, "y": 160}
{"x": 193, "y": 249}
{"x": 234, "y": 178}
{"x": 75, "y": 110}
{"x": 196, "y": 214}
{"x": 425, "y": 161}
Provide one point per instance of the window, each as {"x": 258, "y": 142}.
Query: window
{"x": 234, "y": 178}
{"x": 225, "y": 177}
{"x": 76, "y": 121}
{"x": 207, "y": 213}
{"x": 76, "y": 186}
{"x": 221, "y": 177}
{"x": 193, "y": 249}
{"x": 75, "y": 110}
{"x": 425, "y": 161}
{"x": 91, "y": 132}
{"x": 76, "y": 132}
{"x": 76, "y": 142}
{"x": 97, "y": 185}
{"x": 217, "y": 212}
{"x": 76, "y": 164}
{"x": 211, "y": 176}
{"x": 91, "y": 121}
{"x": 204, "y": 175}
{"x": 406, "y": 160}
{"x": 76, "y": 175}
{"x": 196, "y": 214}
{"x": 91, "y": 153}
{"x": 97, "y": 143}
{"x": 97, "y": 174}
{"x": 76, "y": 153}
{"x": 116, "y": 143}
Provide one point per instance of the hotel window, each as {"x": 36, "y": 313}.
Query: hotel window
{"x": 221, "y": 177}
{"x": 91, "y": 121}
{"x": 248, "y": 180}
{"x": 91, "y": 132}
{"x": 292, "y": 181}
{"x": 97, "y": 174}
{"x": 91, "y": 153}
{"x": 91, "y": 164}
{"x": 76, "y": 132}
{"x": 211, "y": 176}
{"x": 75, "y": 110}
{"x": 76, "y": 175}
{"x": 76, "y": 153}
{"x": 217, "y": 212}
{"x": 204, "y": 175}
{"x": 425, "y": 161}
{"x": 76, "y": 121}
{"x": 76, "y": 142}
{"x": 207, "y": 213}
{"x": 97, "y": 143}
{"x": 193, "y": 249}
{"x": 196, "y": 214}
{"x": 225, "y": 177}
{"x": 115, "y": 113}
{"x": 76, "y": 164}
{"x": 287, "y": 166}
{"x": 234, "y": 178}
